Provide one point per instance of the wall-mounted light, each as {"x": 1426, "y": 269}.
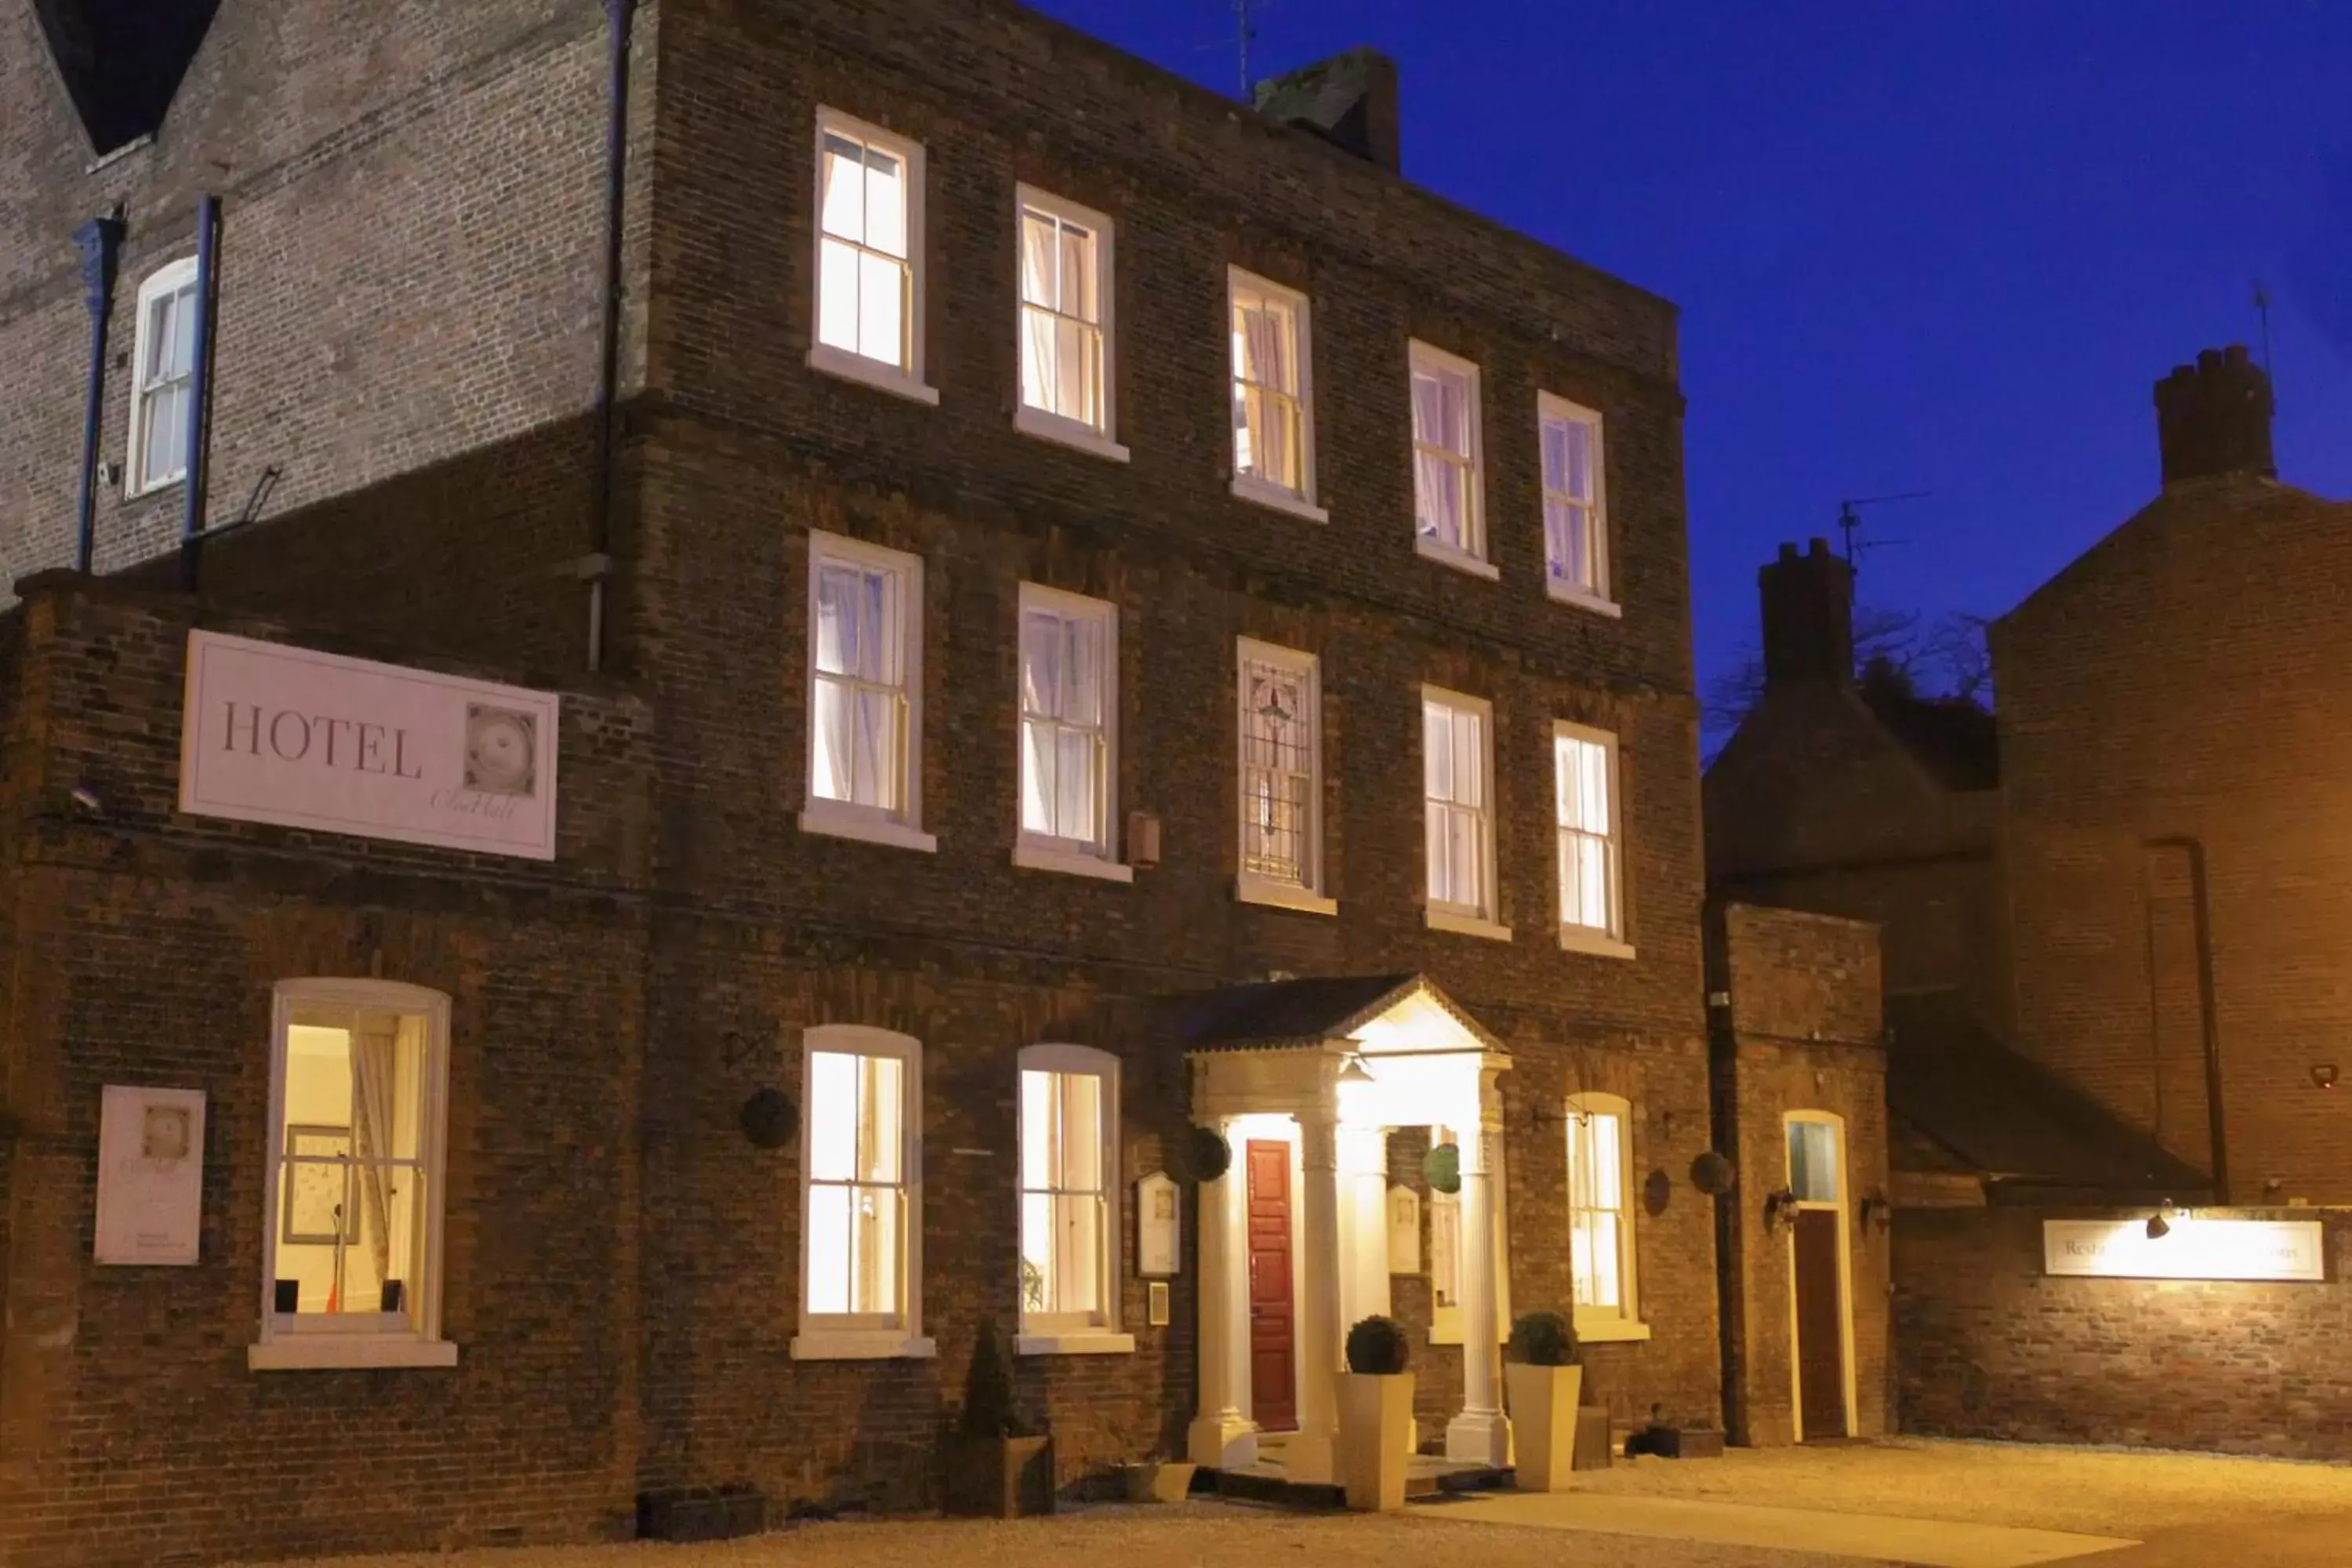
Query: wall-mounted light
{"x": 1781, "y": 1210}
{"x": 86, "y": 801}
{"x": 2323, "y": 1075}
{"x": 1354, "y": 1070}
{"x": 1877, "y": 1211}
{"x": 2159, "y": 1224}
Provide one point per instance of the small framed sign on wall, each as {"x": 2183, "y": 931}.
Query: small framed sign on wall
{"x": 150, "y": 1174}
{"x": 1156, "y": 1237}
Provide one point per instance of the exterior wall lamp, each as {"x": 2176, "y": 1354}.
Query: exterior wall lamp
{"x": 2159, "y": 1224}
{"x": 1781, "y": 1210}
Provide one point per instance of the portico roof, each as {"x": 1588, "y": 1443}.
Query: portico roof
{"x": 1278, "y": 1014}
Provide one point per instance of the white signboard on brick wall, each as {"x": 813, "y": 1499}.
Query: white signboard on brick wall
{"x": 2290, "y": 1249}
{"x": 150, "y": 1174}
{"x": 272, "y": 733}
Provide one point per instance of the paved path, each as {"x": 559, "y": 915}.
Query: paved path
{"x": 1929, "y": 1543}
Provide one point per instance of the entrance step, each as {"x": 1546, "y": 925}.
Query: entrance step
{"x": 1430, "y": 1479}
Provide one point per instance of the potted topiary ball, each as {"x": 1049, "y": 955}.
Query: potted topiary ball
{"x": 1545, "y": 1385}
{"x": 1376, "y": 1415}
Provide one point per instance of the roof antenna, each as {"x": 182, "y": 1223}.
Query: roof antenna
{"x": 1244, "y": 31}
{"x": 2263, "y": 309}
{"x": 1850, "y": 523}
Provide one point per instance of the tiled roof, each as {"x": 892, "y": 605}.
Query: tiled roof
{"x": 1951, "y": 737}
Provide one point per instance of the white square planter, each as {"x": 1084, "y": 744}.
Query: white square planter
{"x": 1375, "y": 1439}
{"x": 1543, "y": 1422}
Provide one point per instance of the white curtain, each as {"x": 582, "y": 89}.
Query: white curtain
{"x": 374, "y": 1072}
{"x": 1039, "y": 386}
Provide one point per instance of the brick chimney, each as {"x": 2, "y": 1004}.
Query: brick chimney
{"x": 1350, "y": 100}
{"x": 2214, "y": 417}
{"x": 1808, "y": 617}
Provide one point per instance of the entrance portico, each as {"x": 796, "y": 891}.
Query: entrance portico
{"x": 1305, "y": 1080}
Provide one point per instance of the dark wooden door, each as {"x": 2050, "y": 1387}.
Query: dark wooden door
{"x": 1274, "y": 1383}
{"x": 1821, "y": 1341}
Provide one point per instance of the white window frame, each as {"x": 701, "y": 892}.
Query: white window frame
{"x": 1044, "y": 852}
{"x": 1552, "y": 409}
{"x": 1487, "y": 919}
{"x": 905, "y": 379}
{"x": 1098, "y": 1332}
{"x": 1256, "y": 887}
{"x": 1623, "y": 1322}
{"x": 1029, "y": 420}
{"x": 858, "y": 1336}
{"x": 1472, "y": 555}
{"x": 1608, "y": 943}
{"x": 1299, "y": 502}
{"x": 295, "y": 1343}
{"x": 901, "y": 828}
{"x": 167, "y": 280}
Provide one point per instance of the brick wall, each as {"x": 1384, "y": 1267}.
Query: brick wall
{"x": 1800, "y": 1031}
{"x": 2171, "y": 708}
{"x": 410, "y": 253}
{"x": 1989, "y": 1348}
{"x": 143, "y": 949}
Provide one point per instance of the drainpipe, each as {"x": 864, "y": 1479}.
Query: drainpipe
{"x": 100, "y": 238}
{"x": 2209, "y": 1017}
{"x": 200, "y": 386}
{"x": 598, "y": 564}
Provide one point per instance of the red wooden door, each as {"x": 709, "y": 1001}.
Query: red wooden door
{"x": 1274, "y": 1383}
{"x": 1820, "y": 1343}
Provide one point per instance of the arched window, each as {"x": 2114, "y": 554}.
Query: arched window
{"x": 1070, "y": 1200}
{"x": 861, "y": 1195}
{"x": 1601, "y": 1214}
{"x": 358, "y": 1111}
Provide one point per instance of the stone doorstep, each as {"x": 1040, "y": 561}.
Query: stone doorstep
{"x": 1427, "y": 1479}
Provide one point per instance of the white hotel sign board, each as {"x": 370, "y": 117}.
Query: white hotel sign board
{"x": 303, "y": 739}
{"x": 2260, "y": 1250}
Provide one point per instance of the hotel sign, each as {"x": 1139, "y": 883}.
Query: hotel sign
{"x": 2192, "y": 1250}
{"x": 302, "y": 739}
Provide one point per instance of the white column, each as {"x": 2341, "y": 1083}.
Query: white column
{"x": 1312, "y": 1455}
{"x": 1480, "y": 1434}
{"x": 1221, "y": 1434}
{"x": 1363, "y": 1226}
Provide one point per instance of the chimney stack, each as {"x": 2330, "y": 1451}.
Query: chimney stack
{"x": 1350, "y": 100}
{"x": 1808, "y": 617}
{"x": 2214, "y": 417}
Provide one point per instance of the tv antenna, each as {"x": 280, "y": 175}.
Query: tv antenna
{"x": 2263, "y": 309}
{"x": 1244, "y": 34}
{"x": 1849, "y": 522}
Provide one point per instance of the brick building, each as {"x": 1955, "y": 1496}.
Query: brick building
{"x": 988, "y": 547}
{"x": 2110, "y": 975}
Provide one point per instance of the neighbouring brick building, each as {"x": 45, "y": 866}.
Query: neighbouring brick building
{"x": 1042, "y": 503}
{"x": 2112, "y": 981}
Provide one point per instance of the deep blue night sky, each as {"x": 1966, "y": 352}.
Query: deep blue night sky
{"x": 1940, "y": 245}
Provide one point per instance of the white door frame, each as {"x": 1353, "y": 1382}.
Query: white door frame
{"x": 1843, "y": 1209}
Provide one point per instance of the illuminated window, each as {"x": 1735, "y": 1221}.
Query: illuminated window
{"x": 866, "y": 607}
{"x": 1281, "y": 776}
{"x": 1065, "y": 318}
{"x": 1448, "y": 500}
{"x": 1585, "y": 780}
{"x": 1601, "y": 1229}
{"x": 1069, "y": 652}
{"x": 1273, "y": 425}
{"x": 869, "y": 245}
{"x": 1070, "y": 1111}
{"x": 164, "y": 361}
{"x": 1576, "y": 537}
{"x": 861, "y": 1195}
{"x": 1457, "y": 762}
{"x": 1813, "y": 1160}
{"x": 353, "y": 1269}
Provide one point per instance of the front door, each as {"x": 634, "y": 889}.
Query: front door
{"x": 1274, "y": 1383}
{"x": 1821, "y": 1340}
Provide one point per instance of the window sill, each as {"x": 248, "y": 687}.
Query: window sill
{"x": 1459, "y": 560}
{"x": 862, "y": 1344}
{"x": 1564, "y": 594}
{"x": 1280, "y": 499}
{"x": 1066, "y": 432}
{"x": 1466, "y": 925}
{"x": 838, "y": 821}
{"x": 1283, "y": 896}
{"x": 871, "y": 373}
{"x": 1077, "y": 1342}
{"x": 1584, "y": 939}
{"x": 133, "y": 491}
{"x": 330, "y": 1352}
{"x": 1612, "y": 1331}
{"x": 1072, "y": 862}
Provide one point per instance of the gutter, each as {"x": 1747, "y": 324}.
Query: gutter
{"x": 101, "y": 240}
{"x": 597, "y": 565}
